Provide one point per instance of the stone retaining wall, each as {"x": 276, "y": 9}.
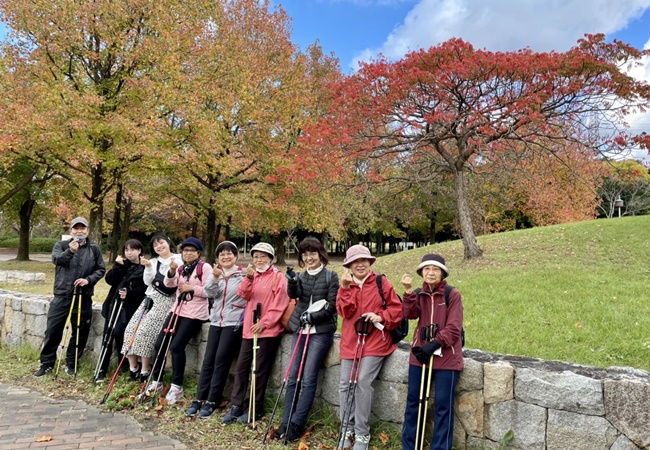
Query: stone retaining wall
{"x": 549, "y": 405}
{"x": 21, "y": 277}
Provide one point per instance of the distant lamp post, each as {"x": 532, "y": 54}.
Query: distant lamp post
{"x": 618, "y": 203}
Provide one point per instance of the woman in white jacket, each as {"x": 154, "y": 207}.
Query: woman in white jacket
{"x": 224, "y": 338}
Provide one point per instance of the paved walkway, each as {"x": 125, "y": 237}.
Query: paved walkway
{"x": 26, "y": 415}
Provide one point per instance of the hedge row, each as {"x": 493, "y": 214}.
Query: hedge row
{"x": 35, "y": 244}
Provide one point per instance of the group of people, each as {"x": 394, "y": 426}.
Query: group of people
{"x": 158, "y": 305}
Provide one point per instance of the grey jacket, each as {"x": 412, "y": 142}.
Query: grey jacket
{"x": 227, "y": 307}
{"x": 86, "y": 263}
{"x": 313, "y": 288}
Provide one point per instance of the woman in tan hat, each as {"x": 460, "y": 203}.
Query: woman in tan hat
{"x": 361, "y": 306}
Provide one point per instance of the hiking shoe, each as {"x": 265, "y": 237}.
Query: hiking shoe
{"x": 233, "y": 413}
{"x": 175, "y": 393}
{"x": 144, "y": 376}
{"x": 70, "y": 371}
{"x": 44, "y": 370}
{"x": 279, "y": 433}
{"x": 244, "y": 417}
{"x": 193, "y": 409}
{"x": 361, "y": 442}
{"x": 294, "y": 432}
{"x": 101, "y": 376}
{"x": 133, "y": 376}
{"x": 207, "y": 410}
{"x": 154, "y": 387}
{"x": 346, "y": 441}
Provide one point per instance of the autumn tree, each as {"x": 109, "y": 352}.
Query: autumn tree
{"x": 626, "y": 180}
{"x": 453, "y": 106}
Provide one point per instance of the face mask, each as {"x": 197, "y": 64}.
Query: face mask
{"x": 264, "y": 269}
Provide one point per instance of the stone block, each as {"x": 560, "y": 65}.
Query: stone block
{"x": 563, "y": 391}
{"x": 528, "y": 423}
{"x": 627, "y": 403}
{"x": 333, "y": 357}
{"x": 18, "y": 323}
{"x": 3, "y": 303}
{"x": 205, "y": 330}
{"x": 35, "y": 306}
{"x": 13, "y": 341}
{"x": 201, "y": 354}
{"x": 330, "y": 384}
{"x": 460, "y": 436}
{"x": 498, "y": 382}
{"x": 471, "y": 378}
{"x": 34, "y": 342}
{"x": 192, "y": 357}
{"x": 388, "y": 402}
{"x": 623, "y": 443}
{"x": 35, "y": 325}
{"x": 578, "y": 431}
{"x": 469, "y": 411}
{"x": 17, "y": 304}
{"x": 396, "y": 367}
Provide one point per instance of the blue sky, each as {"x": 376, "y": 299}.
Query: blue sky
{"x": 360, "y": 29}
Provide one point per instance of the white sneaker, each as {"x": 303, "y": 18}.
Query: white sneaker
{"x": 174, "y": 394}
{"x": 154, "y": 386}
{"x": 361, "y": 442}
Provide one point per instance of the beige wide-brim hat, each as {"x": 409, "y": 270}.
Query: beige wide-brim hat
{"x": 432, "y": 259}
{"x": 264, "y": 248}
{"x": 358, "y": 252}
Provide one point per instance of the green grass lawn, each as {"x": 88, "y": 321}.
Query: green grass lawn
{"x": 577, "y": 292}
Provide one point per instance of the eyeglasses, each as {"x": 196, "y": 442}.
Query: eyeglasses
{"x": 190, "y": 250}
{"x": 261, "y": 257}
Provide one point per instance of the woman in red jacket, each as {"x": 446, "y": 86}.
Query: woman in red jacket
{"x": 359, "y": 301}
{"x": 443, "y": 350}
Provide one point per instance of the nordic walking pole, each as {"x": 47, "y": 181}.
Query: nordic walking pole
{"x": 362, "y": 327}
{"x": 257, "y": 314}
{"x": 427, "y": 334}
{"x": 298, "y": 378}
{"x": 76, "y": 347}
{"x": 107, "y": 338}
{"x": 166, "y": 343}
{"x": 284, "y": 383}
{"x": 128, "y": 349}
{"x": 65, "y": 337}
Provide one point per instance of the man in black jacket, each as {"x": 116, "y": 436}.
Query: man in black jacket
{"x": 79, "y": 266}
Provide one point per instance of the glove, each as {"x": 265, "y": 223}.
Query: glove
{"x": 292, "y": 278}
{"x": 148, "y": 303}
{"x": 305, "y": 318}
{"x": 423, "y": 354}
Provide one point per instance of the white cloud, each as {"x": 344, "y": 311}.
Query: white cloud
{"x": 506, "y": 25}
{"x": 640, "y": 122}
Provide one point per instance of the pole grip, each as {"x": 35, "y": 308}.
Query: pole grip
{"x": 257, "y": 313}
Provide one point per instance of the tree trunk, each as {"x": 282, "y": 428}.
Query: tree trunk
{"x": 432, "y": 227}
{"x": 116, "y": 232}
{"x": 25, "y": 218}
{"x": 97, "y": 204}
{"x": 210, "y": 239}
{"x": 470, "y": 244}
{"x": 226, "y": 232}
{"x": 126, "y": 221}
{"x": 281, "y": 249}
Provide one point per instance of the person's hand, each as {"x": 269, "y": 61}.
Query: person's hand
{"x": 257, "y": 328}
{"x": 122, "y": 293}
{"x": 305, "y": 318}
{"x": 119, "y": 260}
{"x": 185, "y": 287}
{"x": 74, "y": 246}
{"x": 145, "y": 262}
{"x": 173, "y": 266}
{"x": 371, "y": 317}
{"x": 148, "y": 303}
{"x": 80, "y": 282}
{"x": 407, "y": 282}
{"x": 346, "y": 279}
{"x": 423, "y": 354}
{"x": 216, "y": 271}
{"x": 250, "y": 271}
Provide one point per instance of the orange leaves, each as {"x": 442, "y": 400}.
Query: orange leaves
{"x": 303, "y": 446}
{"x": 45, "y": 438}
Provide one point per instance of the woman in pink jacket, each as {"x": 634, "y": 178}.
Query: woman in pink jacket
{"x": 266, "y": 286}
{"x": 192, "y": 307}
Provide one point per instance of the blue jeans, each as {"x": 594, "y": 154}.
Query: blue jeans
{"x": 317, "y": 348}
{"x": 443, "y": 416}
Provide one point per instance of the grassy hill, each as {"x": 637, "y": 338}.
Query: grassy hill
{"x": 577, "y": 292}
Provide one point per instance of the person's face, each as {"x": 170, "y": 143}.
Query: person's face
{"x": 227, "y": 259}
{"x": 311, "y": 260}
{"x": 190, "y": 254}
{"x": 79, "y": 231}
{"x": 261, "y": 260}
{"x": 360, "y": 268}
{"x": 432, "y": 275}
{"x": 161, "y": 247}
{"x": 132, "y": 254}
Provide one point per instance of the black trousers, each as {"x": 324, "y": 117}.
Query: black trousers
{"x": 184, "y": 331}
{"x": 222, "y": 348}
{"x": 116, "y": 339}
{"x": 56, "y": 322}
{"x": 268, "y": 348}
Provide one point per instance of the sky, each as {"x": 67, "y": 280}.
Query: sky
{"x": 357, "y": 30}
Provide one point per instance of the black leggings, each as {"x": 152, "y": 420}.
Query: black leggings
{"x": 222, "y": 348}
{"x": 185, "y": 330}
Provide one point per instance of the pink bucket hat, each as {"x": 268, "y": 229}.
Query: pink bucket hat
{"x": 358, "y": 252}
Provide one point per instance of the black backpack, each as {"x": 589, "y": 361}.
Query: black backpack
{"x": 448, "y": 290}
{"x": 402, "y": 329}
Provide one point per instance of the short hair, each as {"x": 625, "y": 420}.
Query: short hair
{"x": 161, "y": 237}
{"x": 311, "y": 244}
{"x": 226, "y": 246}
{"x": 134, "y": 244}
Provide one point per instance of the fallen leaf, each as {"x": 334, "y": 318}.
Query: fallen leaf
{"x": 383, "y": 437}
{"x": 578, "y": 325}
{"x": 46, "y": 438}
{"x": 159, "y": 407}
{"x": 303, "y": 446}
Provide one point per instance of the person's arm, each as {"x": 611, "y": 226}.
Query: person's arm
{"x": 61, "y": 254}
{"x": 347, "y": 301}
{"x": 99, "y": 269}
{"x": 245, "y": 288}
{"x": 411, "y": 305}
{"x": 449, "y": 334}
{"x": 392, "y": 315}
{"x": 329, "y": 310}
{"x": 198, "y": 283}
